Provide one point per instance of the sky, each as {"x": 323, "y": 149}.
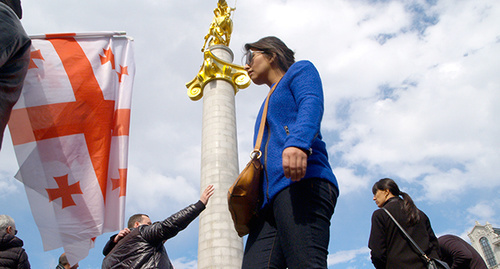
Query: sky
{"x": 411, "y": 92}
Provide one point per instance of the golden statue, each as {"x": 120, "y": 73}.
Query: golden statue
{"x": 221, "y": 26}
{"x": 214, "y": 67}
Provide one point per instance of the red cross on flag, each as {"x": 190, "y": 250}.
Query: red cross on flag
{"x": 70, "y": 132}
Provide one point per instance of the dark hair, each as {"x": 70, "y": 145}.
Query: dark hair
{"x": 409, "y": 208}
{"x": 273, "y": 46}
{"x": 134, "y": 218}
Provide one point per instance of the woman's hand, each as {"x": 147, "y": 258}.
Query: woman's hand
{"x": 206, "y": 194}
{"x": 294, "y": 163}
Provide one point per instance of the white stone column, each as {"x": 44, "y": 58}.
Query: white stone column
{"x": 219, "y": 246}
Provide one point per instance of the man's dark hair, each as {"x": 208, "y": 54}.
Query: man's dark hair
{"x": 15, "y": 5}
{"x": 273, "y": 46}
{"x": 134, "y": 218}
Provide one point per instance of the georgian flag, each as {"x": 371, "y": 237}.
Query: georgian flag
{"x": 70, "y": 132}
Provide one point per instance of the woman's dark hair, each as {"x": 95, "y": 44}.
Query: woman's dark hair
{"x": 409, "y": 207}
{"x": 271, "y": 46}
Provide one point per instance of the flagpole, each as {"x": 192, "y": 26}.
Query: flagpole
{"x": 77, "y": 35}
{"x": 218, "y": 80}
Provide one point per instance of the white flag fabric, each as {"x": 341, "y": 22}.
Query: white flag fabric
{"x": 70, "y": 132}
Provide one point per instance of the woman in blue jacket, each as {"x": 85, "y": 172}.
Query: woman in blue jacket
{"x": 299, "y": 188}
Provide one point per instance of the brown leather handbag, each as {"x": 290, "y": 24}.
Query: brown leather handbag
{"x": 243, "y": 195}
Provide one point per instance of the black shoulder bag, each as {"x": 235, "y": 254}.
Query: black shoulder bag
{"x": 431, "y": 262}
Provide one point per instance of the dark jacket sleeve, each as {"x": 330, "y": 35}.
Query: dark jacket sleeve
{"x": 15, "y": 5}
{"x": 171, "y": 226}
{"x": 109, "y": 245}
{"x": 377, "y": 242}
{"x": 23, "y": 261}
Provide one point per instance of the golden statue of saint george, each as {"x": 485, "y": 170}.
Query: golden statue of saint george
{"x": 221, "y": 26}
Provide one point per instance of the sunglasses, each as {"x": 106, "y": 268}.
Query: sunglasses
{"x": 250, "y": 55}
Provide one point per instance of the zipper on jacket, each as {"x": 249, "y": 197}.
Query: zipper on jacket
{"x": 310, "y": 151}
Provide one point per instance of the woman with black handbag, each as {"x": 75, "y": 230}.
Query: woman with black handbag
{"x": 390, "y": 247}
{"x": 292, "y": 229}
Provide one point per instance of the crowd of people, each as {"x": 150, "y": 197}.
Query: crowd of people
{"x": 300, "y": 190}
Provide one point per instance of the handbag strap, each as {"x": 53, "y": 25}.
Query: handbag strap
{"x": 258, "y": 142}
{"x": 407, "y": 235}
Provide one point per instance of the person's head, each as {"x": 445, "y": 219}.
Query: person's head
{"x": 7, "y": 224}
{"x": 383, "y": 190}
{"x": 63, "y": 261}
{"x": 268, "y": 53}
{"x": 387, "y": 188}
{"x": 138, "y": 220}
{"x": 15, "y": 5}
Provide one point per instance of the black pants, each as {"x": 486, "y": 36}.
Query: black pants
{"x": 294, "y": 231}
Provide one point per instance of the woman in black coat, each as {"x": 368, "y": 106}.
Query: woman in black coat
{"x": 389, "y": 246}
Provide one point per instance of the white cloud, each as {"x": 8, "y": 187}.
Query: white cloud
{"x": 149, "y": 191}
{"x": 346, "y": 256}
{"x": 434, "y": 120}
{"x": 184, "y": 263}
{"x": 349, "y": 181}
{"x": 484, "y": 211}
{"x": 8, "y": 185}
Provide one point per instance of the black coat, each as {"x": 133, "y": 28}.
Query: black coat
{"x": 143, "y": 247}
{"x": 12, "y": 254}
{"x": 389, "y": 246}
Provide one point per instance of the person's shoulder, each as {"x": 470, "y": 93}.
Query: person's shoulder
{"x": 423, "y": 215}
{"x": 301, "y": 68}
{"x": 378, "y": 213}
{"x": 10, "y": 240}
{"x": 449, "y": 238}
{"x": 302, "y": 64}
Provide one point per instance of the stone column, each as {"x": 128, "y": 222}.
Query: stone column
{"x": 219, "y": 246}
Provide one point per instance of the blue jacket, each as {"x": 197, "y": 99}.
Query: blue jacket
{"x": 294, "y": 120}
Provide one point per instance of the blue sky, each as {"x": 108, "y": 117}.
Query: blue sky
{"x": 411, "y": 92}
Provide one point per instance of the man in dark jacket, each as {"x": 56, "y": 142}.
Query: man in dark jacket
{"x": 14, "y": 58}
{"x": 459, "y": 254}
{"x": 141, "y": 245}
{"x": 12, "y": 254}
